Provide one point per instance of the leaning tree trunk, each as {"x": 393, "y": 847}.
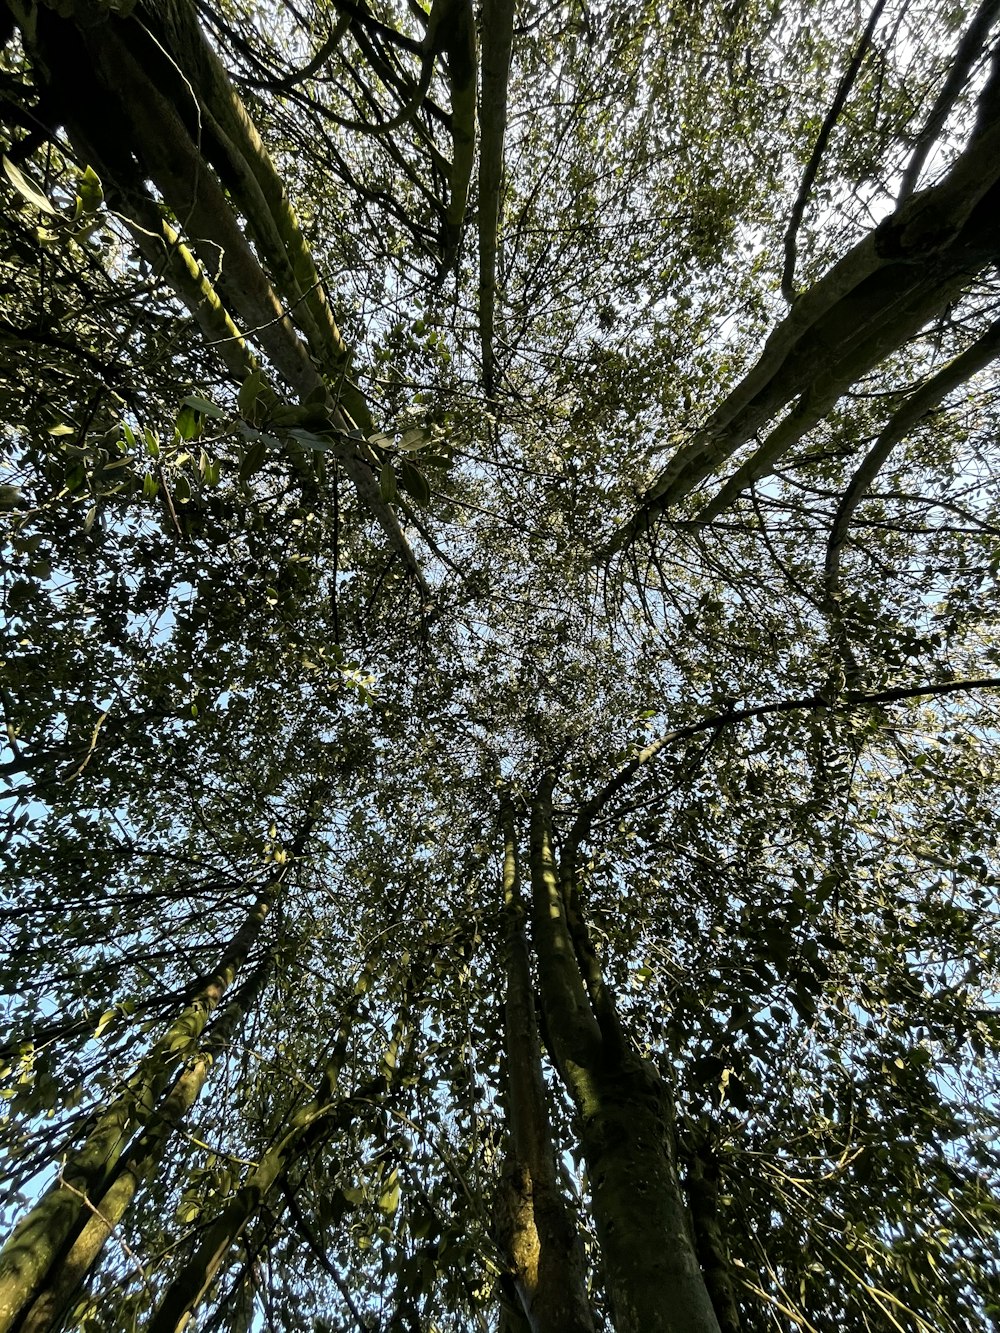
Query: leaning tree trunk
{"x": 881, "y": 293}
{"x": 31, "y": 1257}
{"x": 144, "y": 97}
{"x": 328, "y": 1113}
{"x": 135, "y": 1170}
{"x": 497, "y": 44}
{"x": 268, "y": 1184}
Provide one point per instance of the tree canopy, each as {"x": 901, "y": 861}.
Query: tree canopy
{"x": 500, "y": 666}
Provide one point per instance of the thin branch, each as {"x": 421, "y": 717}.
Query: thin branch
{"x": 969, "y": 50}
{"x": 846, "y": 702}
{"x": 322, "y": 1256}
{"x": 316, "y": 62}
{"x": 812, "y": 167}
{"x": 917, "y": 406}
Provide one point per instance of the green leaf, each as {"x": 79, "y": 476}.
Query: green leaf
{"x": 310, "y": 439}
{"x": 389, "y": 1199}
{"x": 116, "y": 464}
{"x": 414, "y": 482}
{"x": 387, "y": 483}
{"x": 252, "y": 391}
{"x": 89, "y": 190}
{"x": 188, "y": 1210}
{"x": 253, "y": 460}
{"x": 288, "y": 414}
{"x": 188, "y": 424}
{"x": 203, "y": 405}
{"x": 26, "y": 189}
{"x": 105, "y": 1020}
{"x": 414, "y": 439}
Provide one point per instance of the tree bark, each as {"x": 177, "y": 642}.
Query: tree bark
{"x": 462, "y": 77}
{"x": 535, "y": 1228}
{"x": 703, "y": 1180}
{"x": 652, "y": 1275}
{"x": 654, "y": 1280}
{"x": 311, "y": 1125}
{"x": 135, "y": 1171}
{"x": 34, "y": 1249}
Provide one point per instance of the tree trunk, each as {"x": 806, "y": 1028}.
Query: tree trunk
{"x": 50, "y": 1305}
{"x": 653, "y": 1279}
{"x": 535, "y": 1224}
{"x": 651, "y": 1270}
{"x": 703, "y": 1181}
{"x": 868, "y": 304}
{"x": 124, "y": 84}
{"x": 312, "y": 1124}
{"x": 35, "y": 1247}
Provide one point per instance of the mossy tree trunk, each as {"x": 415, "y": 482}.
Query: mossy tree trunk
{"x": 32, "y": 1258}
{"x": 538, "y": 1232}
{"x": 625, "y": 1113}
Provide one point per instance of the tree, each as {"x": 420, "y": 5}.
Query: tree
{"x": 500, "y": 689}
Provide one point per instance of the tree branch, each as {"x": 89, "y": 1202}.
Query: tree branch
{"x": 969, "y": 50}
{"x": 877, "y": 296}
{"x": 926, "y": 398}
{"x": 823, "y": 138}
{"x": 847, "y": 702}
{"x": 321, "y": 1255}
{"x": 497, "y": 44}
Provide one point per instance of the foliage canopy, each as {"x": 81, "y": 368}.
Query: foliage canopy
{"x": 500, "y": 666}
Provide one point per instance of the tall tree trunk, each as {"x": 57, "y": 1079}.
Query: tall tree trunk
{"x": 651, "y": 1268}
{"x": 703, "y": 1182}
{"x": 35, "y": 1248}
{"x": 136, "y": 1169}
{"x": 537, "y": 1228}
{"x": 313, "y": 1124}
{"x": 652, "y": 1274}
{"x": 124, "y": 84}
